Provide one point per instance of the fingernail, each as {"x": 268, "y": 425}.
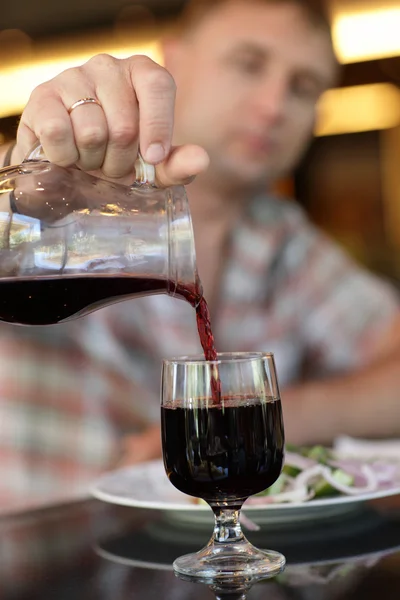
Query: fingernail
{"x": 155, "y": 153}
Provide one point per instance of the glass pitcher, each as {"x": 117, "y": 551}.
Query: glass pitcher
{"x": 71, "y": 242}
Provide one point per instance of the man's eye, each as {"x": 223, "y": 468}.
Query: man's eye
{"x": 306, "y": 90}
{"x": 249, "y": 65}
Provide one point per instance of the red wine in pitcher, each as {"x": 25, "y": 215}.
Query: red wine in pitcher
{"x": 226, "y": 451}
{"x": 46, "y": 301}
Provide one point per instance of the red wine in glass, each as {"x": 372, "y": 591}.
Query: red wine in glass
{"x": 226, "y": 451}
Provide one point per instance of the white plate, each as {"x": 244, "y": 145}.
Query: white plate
{"x": 147, "y": 486}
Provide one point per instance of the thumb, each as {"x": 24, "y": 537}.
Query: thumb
{"x": 182, "y": 165}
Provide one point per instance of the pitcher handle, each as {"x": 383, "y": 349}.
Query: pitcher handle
{"x": 36, "y": 153}
{"x": 145, "y": 173}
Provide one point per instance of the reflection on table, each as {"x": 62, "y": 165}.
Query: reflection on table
{"x": 91, "y": 550}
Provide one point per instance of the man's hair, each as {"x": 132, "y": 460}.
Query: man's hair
{"x": 314, "y": 10}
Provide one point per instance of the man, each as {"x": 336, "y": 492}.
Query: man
{"x": 248, "y": 76}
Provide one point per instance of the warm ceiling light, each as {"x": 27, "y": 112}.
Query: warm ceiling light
{"x": 359, "y": 108}
{"x": 18, "y": 80}
{"x": 367, "y": 34}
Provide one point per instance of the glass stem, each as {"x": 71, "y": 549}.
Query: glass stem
{"x": 227, "y": 525}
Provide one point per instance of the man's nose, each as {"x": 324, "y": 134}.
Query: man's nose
{"x": 272, "y": 99}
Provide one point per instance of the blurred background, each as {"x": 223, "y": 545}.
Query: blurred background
{"x": 349, "y": 181}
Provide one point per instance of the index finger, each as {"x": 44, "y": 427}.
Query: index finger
{"x": 155, "y": 91}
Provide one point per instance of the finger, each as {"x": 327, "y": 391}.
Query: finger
{"x": 118, "y": 99}
{"x": 46, "y": 119}
{"x": 91, "y": 134}
{"x": 182, "y": 165}
{"x": 139, "y": 448}
{"x": 88, "y": 121}
{"x": 155, "y": 91}
{"x": 26, "y": 139}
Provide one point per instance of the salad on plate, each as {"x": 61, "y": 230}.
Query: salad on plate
{"x": 319, "y": 472}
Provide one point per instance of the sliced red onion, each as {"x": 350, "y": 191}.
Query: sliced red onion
{"x": 346, "y": 446}
{"x": 295, "y": 495}
{"x": 308, "y": 475}
{"x": 353, "y": 468}
{"x": 305, "y": 478}
{"x": 299, "y": 461}
{"x": 387, "y": 474}
{"x": 371, "y": 482}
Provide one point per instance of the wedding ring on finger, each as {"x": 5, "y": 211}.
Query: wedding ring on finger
{"x": 82, "y": 101}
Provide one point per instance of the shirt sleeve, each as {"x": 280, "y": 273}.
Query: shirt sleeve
{"x": 342, "y": 309}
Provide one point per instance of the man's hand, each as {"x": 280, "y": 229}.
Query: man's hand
{"x": 137, "y": 98}
{"x": 138, "y": 448}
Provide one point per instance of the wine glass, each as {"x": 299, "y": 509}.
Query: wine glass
{"x": 223, "y": 441}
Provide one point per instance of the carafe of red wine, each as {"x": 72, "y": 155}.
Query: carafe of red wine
{"x": 71, "y": 242}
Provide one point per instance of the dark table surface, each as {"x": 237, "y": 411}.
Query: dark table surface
{"x": 94, "y": 551}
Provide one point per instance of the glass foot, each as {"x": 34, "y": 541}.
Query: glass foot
{"x": 230, "y": 563}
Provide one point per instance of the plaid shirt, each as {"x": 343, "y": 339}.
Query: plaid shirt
{"x": 67, "y": 392}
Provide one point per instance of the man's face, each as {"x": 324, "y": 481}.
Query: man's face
{"x": 248, "y": 78}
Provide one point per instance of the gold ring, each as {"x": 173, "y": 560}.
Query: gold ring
{"x": 83, "y": 101}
